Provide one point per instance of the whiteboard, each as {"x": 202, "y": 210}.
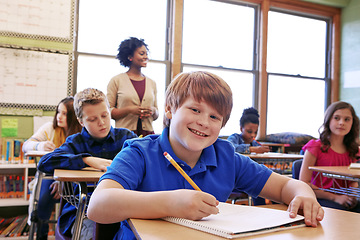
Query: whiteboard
{"x": 52, "y": 18}
{"x": 32, "y": 77}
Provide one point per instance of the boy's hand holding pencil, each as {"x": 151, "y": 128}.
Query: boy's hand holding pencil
{"x": 206, "y": 202}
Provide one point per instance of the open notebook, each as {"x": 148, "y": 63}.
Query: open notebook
{"x": 235, "y": 221}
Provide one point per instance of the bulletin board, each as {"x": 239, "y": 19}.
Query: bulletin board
{"x": 36, "y": 39}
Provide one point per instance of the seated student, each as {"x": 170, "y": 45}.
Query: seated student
{"x": 50, "y": 136}
{"x": 95, "y": 146}
{"x": 338, "y": 146}
{"x": 245, "y": 142}
{"x": 198, "y": 105}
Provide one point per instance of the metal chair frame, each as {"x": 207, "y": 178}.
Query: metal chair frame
{"x": 34, "y": 218}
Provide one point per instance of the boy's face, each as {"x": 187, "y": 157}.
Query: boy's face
{"x": 194, "y": 126}
{"x": 96, "y": 120}
{"x": 249, "y": 132}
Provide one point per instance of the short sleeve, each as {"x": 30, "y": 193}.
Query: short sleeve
{"x": 313, "y": 146}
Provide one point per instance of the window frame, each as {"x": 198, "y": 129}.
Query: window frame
{"x": 304, "y": 8}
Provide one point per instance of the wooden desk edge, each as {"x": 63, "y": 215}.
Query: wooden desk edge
{"x": 85, "y": 175}
{"x": 36, "y": 153}
{"x": 337, "y": 170}
{"x": 274, "y": 156}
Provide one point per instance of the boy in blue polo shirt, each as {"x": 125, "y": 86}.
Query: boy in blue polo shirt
{"x": 197, "y": 106}
{"x": 96, "y": 145}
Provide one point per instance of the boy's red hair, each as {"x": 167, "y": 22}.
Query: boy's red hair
{"x": 201, "y": 86}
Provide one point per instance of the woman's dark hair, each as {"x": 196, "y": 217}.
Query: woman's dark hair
{"x": 250, "y": 115}
{"x": 127, "y": 48}
{"x": 350, "y": 139}
{"x": 71, "y": 120}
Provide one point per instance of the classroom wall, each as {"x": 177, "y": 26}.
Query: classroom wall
{"x": 350, "y": 55}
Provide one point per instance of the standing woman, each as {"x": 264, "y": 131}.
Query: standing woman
{"x": 132, "y": 95}
{"x": 51, "y": 135}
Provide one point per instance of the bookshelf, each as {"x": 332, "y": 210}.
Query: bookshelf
{"x": 14, "y": 205}
{"x": 25, "y": 170}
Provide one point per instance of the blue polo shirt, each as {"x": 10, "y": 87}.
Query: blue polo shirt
{"x": 142, "y": 166}
{"x": 70, "y": 156}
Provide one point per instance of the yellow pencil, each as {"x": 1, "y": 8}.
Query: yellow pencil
{"x": 181, "y": 171}
{"x": 47, "y": 136}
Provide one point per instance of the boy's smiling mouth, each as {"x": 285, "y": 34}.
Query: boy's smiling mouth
{"x": 198, "y": 133}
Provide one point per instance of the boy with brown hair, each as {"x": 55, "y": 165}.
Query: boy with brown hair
{"x": 95, "y": 146}
{"x": 198, "y": 105}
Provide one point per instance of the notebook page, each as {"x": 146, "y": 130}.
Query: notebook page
{"x": 233, "y": 219}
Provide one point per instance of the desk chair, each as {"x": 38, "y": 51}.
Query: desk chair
{"x": 296, "y": 168}
{"x": 34, "y": 218}
{"x": 58, "y": 234}
{"x": 238, "y": 196}
{"x": 101, "y": 231}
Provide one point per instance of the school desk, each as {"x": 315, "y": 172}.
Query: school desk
{"x": 339, "y": 172}
{"x": 84, "y": 178}
{"x": 36, "y": 153}
{"x": 273, "y": 155}
{"x": 280, "y": 146}
{"x": 337, "y": 224}
{"x": 278, "y": 162}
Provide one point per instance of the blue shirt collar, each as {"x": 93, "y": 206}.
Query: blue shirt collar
{"x": 88, "y": 138}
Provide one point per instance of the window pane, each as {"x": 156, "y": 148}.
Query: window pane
{"x": 238, "y": 82}
{"x": 104, "y": 24}
{"x": 296, "y": 45}
{"x": 218, "y": 34}
{"x": 295, "y": 105}
{"x": 96, "y": 72}
{"x": 157, "y": 72}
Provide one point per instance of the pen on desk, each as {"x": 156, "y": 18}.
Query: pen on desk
{"x": 47, "y": 136}
{"x": 181, "y": 171}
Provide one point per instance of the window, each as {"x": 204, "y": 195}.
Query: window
{"x": 104, "y": 24}
{"x": 297, "y": 73}
{"x": 221, "y": 41}
{"x": 223, "y": 37}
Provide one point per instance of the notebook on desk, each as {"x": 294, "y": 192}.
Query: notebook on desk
{"x": 236, "y": 221}
{"x": 355, "y": 165}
